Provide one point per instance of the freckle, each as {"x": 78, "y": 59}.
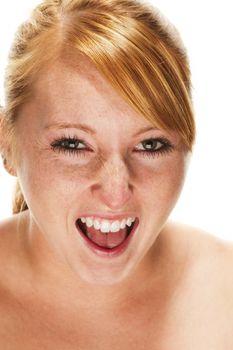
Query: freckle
{"x": 95, "y": 166}
{"x": 84, "y": 172}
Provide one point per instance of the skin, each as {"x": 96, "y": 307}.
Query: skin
{"x": 110, "y": 177}
{"x": 157, "y": 289}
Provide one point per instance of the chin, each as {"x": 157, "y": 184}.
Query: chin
{"x": 102, "y": 280}
{"x": 103, "y": 275}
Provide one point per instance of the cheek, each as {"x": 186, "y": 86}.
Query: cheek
{"x": 51, "y": 181}
{"x": 162, "y": 184}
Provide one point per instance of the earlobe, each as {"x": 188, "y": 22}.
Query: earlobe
{"x": 8, "y": 167}
{"x": 4, "y": 146}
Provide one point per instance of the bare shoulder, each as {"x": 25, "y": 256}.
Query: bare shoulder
{"x": 8, "y": 232}
{"x": 207, "y": 248}
{"x": 206, "y": 293}
{"x": 212, "y": 263}
{"x": 10, "y": 225}
{"x": 205, "y": 239}
{"x": 10, "y": 254}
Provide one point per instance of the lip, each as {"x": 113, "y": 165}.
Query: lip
{"x": 105, "y": 252}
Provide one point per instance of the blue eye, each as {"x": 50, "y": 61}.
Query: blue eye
{"x": 154, "y": 147}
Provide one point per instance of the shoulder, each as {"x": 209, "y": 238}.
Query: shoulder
{"x": 211, "y": 265}
{"x": 10, "y": 236}
{"x": 8, "y": 232}
{"x": 201, "y": 240}
{"x": 202, "y": 299}
{"x": 9, "y": 225}
{"x": 206, "y": 249}
{"x": 10, "y": 252}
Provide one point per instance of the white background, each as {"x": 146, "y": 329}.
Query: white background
{"x": 206, "y": 28}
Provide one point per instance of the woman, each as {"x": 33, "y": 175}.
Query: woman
{"x": 98, "y": 128}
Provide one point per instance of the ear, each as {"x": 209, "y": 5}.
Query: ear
{"x": 9, "y": 168}
{"x": 5, "y": 146}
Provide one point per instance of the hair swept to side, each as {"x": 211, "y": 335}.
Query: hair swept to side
{"x": 130, "y": 42}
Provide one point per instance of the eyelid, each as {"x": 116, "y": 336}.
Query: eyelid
{"x": 61, "y": 139}
{"x": 165, "y": 147}
{"x": 160, "y": 139}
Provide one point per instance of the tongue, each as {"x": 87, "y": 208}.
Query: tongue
{"x": 106, "y": 240}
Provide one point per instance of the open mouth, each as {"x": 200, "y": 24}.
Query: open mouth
{"x": 106, "y": 241}
{"x": 84, "y": 228}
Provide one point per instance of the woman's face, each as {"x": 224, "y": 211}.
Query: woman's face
{"x": 110, "y": 170}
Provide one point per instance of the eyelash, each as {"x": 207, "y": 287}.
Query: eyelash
{"x": 57, "y": 146}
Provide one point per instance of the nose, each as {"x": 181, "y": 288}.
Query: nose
{"x": 112, "y": 187}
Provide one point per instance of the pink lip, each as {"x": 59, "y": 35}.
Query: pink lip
{"x": 105, "y": 252}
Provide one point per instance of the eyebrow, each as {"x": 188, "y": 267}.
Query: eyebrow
{"x": 147, "y": 128}
{"x": 88, "y": 129}
{"x": 62, "y": 125}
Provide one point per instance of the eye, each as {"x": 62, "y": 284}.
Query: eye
{"x": 154, "y": 147}
{"x": 70, "y": 145}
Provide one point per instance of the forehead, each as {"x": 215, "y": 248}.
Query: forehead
{"x": 66, "y": 77}
{"x": 74, "y": 85}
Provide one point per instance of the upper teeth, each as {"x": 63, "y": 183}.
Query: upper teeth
{"x": 106, "y": 225}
